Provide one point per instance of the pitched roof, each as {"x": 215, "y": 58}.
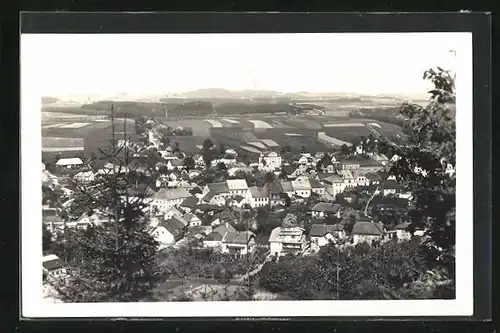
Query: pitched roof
{"x": 366, "y": 228}
{"x": 222, "y": 229}
{"x": 315, "y": 183}
{"x": 391, "y": 185}
{"x": 218, "y": 187}
{"x": 172, "y": 194}
{"x": 176, "y": 162}
{"x": 301, "y": 183}
{"x": 174, "y": 227}
{"x": 238, "y": 237}
{"x": 214, "y": 236}
{"x": 333, "y": 179}
{"x": 190, "y": 202}
{"x": 259, "y": 192}
{"x": 372, "y": 176}
{"x": 238, "y": 198}
{"x": 69, "y": 161}
{"x": 237, "y": 184}
{"x": 275, "y": 187}
{"x": 287, "y": 186}
{"x": 319, "y": 230}
{"x": 52, "y": 262}
{"x": 209, "y": 196}
{"x": 402, "y": 226}
{"x": 326, "y": 207}
{"x": 179, "y": 221}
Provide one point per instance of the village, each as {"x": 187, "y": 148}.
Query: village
{"x": 273, "y": 203}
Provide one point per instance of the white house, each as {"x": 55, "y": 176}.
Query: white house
{"x": 214, "y": 239}
{"x": 258, "y": 196}
{"x": 322, "y": 234}
{"x": 220, "y": 188}
{"x": 167, "y": 198}
{"x": 237, "y": 187}
{"x": 366, "y": 231}
{"x": 317, "y": 187}
{"x": 84, "y": 177}
{"x": 303, "y": 160}
{"x": 53, "y": 266}
{"x": 302, "y": 186}
{"x": 238, "y": 242}
{"x": 214, "y": 198}
{"x": 69, "y": 163}
{"x": 175, "y": 164}
{"x": 287, "y": 188}
{"x": 192, "y": 220}
{"x": 334, "y": 185}
{"x": 287, "y": 240}
{"x": 270, "y": 160}
{"x": 324, "y": 209}
{"x": 400, "y": 232}
{"x": 168, "y": 232}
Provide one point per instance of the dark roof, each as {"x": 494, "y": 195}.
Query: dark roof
{"x": 222, "y": 229}
{"x": 190, "y": 202}
{"x": 218, "y": 187}
{"x": 326, "y": 207}
{"x": 402, "y": 226}
{"x": 238, "y": 237}
{"x": 209, "y": 196}
{"x": 288, "y": 169}
{"x": 391, "y": 185}
{"x": 53, "y": 264}
{"x": 238, "y": 198}
{"x": 319, "y": 230}
{"x": 287, "y": 186}
{"x": 367, "y": 228}
{"x": 275, "y": 187}
{"x": 373, "y": 176}
{"x": 262, "y": 240}
{"x": 214, "y": 236}
{"x": 173, "y": 226}
{"x": 315, "y": 183}
{"x": 259, "y": 192}
{"x": 49, "y": 212}
{"x": 176, "y": 162}
{"x": 322, "y": 175}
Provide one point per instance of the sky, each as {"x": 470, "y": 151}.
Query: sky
{"x": 365, "y": 63}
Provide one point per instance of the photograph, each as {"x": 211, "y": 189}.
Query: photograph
{"x": 246, "y": 170}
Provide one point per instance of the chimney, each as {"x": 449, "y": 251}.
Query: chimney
{"x": 227, "y": 224}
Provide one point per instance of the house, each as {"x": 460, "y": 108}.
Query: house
{"x": 366, "y": 231}
{"x": 322, "y": 234}
{"x": 302, "y": 187}
{"x": 390, "y": 187}
{"x": 85, "y": 220}
{"x": 276, "y": 193}
{"x": 69, "y": 163}
{"x": 238, "y": 242}
{"x": 287, "y": 240}
{"x": 270, "y": 160}
{"x": 372, "y": 178}
{"x": 303, "y": 160}
{"x": 168, "y": 232}
{"x": 194, "y": 173}
{"x": 324, "y": 209}
{"x": 214, "y": 239}
{"x": 167, "y": 198}
{"x": 220, "y": 188}
{"x": 237, "y": 187}
{"x": 334, "y": 184}
{"x": 192, "y": 220}
{"x": 53, "y": 266}
{"x": 316, "y": 187}
{"x": 348, "y": 178}
{"x": 258, "y": 196}
{"x": 84, "y": 177}
{"x": 213, "y": 198}
{"x": 399, "y": 232}
{"x": 287, "y": 188}
{"x": 189, "y": 204}
{"x": 381, "y": 158}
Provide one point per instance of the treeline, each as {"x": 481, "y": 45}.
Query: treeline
{"x": 386, "y": 115}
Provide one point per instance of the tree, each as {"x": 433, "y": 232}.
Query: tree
{"x": 269, "y": 177}
{"x": 290, "y": 221}
{"x": 430, "y": 147}
{"x": 222, "y": 148}
{"x": 344, "y": 149}
{"x": 114, "y": 261}
{"x": 47, "y": 243}
{"x": 189, "y": 163}
{"x": 221, "y": 166}
{"x": 207, "y": 152}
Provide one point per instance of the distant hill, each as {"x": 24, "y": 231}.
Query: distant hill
{"x": 49, "y": 100}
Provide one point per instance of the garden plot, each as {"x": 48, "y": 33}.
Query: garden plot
{"x": 214, "y": 123}
{"x": 331, "y": 140}
{"x": 345, "y": 125}
{"x": 232, "y": 121}
{"x": 75, "y": 125}
{"x": 260, "y": 124}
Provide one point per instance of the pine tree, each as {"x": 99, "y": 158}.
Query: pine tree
{"x": 117, "y": 259}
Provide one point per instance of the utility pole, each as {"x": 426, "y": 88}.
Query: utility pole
{"x": 113, "y": 147}
{"x": 126, "y": 142}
